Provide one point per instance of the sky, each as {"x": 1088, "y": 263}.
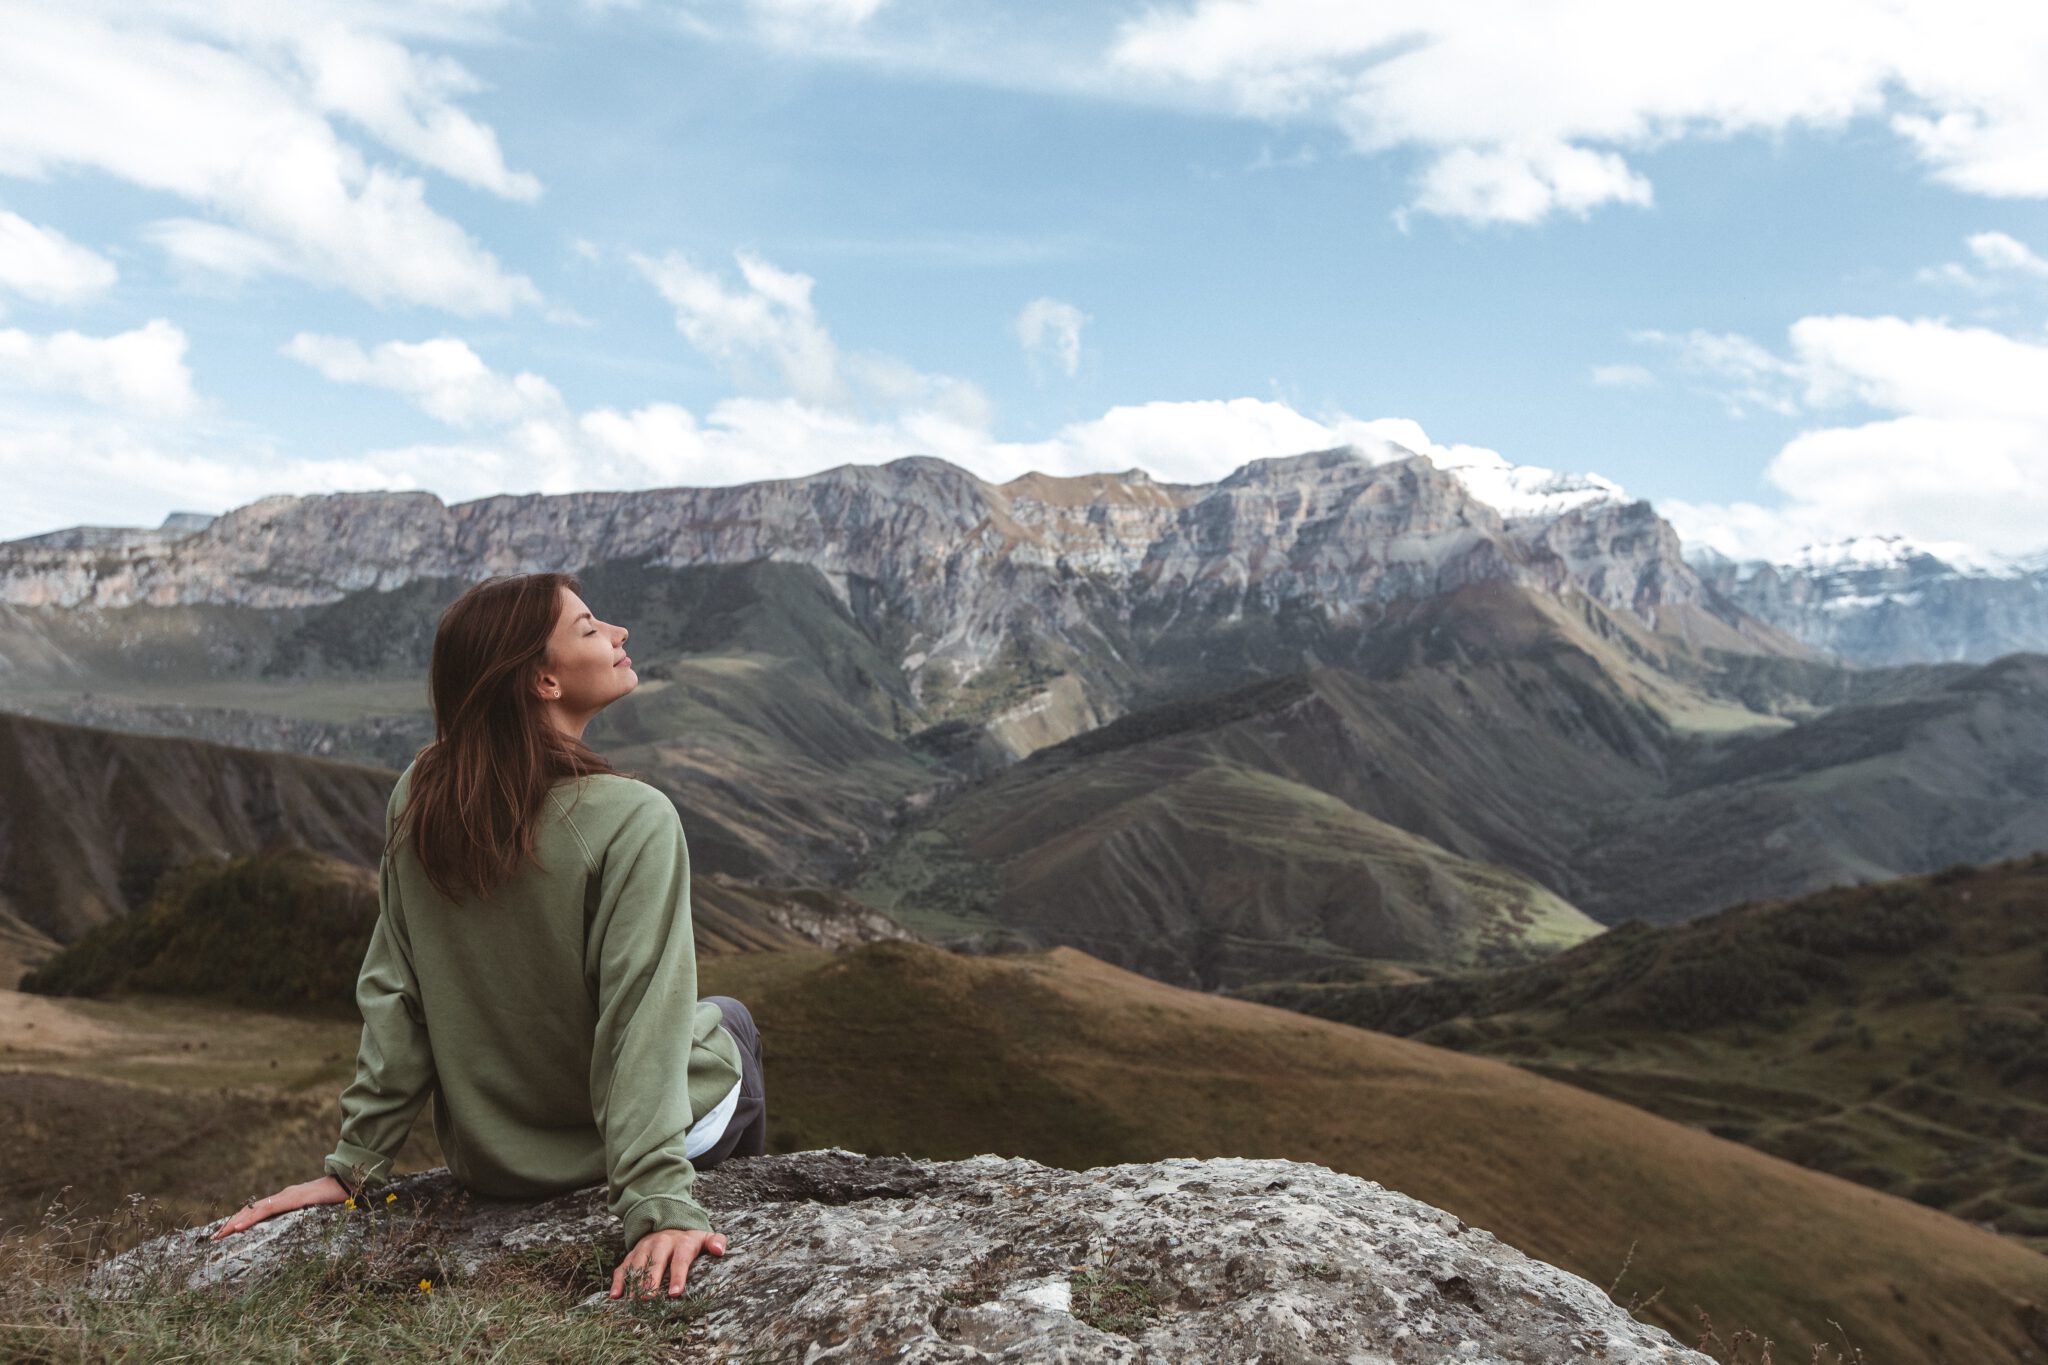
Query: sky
{"x": 1780, "y": 269}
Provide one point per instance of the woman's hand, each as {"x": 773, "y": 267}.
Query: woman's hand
{"x": 664, "y": 1254}
{"x": 325, "y": 1190}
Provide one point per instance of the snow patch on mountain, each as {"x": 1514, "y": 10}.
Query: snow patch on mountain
{"x": 1881, "y": 552}
{"x": 1519, "y": 492}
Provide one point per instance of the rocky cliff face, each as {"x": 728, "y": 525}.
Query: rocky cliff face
{"x": 1883, "y": 600}
{"x": 945, "y": 564}
{"x": 844, "y": 1257}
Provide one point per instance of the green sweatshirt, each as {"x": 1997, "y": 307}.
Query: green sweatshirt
{"x": 557, "y": 1026}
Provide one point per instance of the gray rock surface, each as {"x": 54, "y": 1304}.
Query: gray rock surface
{"x": 836, "y": 1256}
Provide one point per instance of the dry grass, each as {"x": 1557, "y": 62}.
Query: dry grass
{"x": 900, "y": 1048}
{"x": 1068, "y": 1060}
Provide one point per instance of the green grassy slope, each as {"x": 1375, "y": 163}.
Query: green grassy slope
{"x": 1895, "y": 1034}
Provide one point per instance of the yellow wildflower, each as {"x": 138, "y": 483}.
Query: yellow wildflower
{"x": 426, "y": 1286}
{"x": 389, "y": 1197}
{"x": 351, "y": 1203}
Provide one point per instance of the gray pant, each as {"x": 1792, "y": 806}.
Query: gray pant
{"x": 746, "y": 1132}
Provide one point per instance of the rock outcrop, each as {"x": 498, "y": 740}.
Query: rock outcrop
{"x": 844, "y": 1257}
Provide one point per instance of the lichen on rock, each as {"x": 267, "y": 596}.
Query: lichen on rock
{"x": 838, "y": 1256}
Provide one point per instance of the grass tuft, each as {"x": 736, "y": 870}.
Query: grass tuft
{"x": 389, "y": 1298}
{"x": 1109, "y": 1303}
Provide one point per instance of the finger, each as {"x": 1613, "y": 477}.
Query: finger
{"x": 657, "y": 1271}
{"x": 236, "y": 1223}
{"x": 639, "y": 1271}
{"x": 715, "y": 1244}
{"x": 619, "y": 1276}
{"x": 679, "y": 1269}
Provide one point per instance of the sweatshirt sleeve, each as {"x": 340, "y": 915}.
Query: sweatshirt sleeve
{"x": 645, "y": 963}
{"x": 394, "y": 1063}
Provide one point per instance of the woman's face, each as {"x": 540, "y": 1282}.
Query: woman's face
{"x": 587, "y": 667}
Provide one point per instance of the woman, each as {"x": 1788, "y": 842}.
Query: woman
{"x": 532, "y": 967}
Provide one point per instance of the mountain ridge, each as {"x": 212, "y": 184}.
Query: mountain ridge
{"x": 949, "y": 568}
{"x": 1877, "y": 600}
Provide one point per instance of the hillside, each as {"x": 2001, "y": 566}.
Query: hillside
{"x": 901, "y": 1048}
{"x": 1522, "y": 754}
{"x": 1889, "y": 1034}
{"x": 767, "y": 711}
{"x": 1200, "y": 870}
{"x": 1949, "y": 771}
{"x": 287, "y": 929}
{"x": 97, "y": 817}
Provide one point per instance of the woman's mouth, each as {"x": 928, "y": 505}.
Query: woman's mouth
{"x": 625, "y": 661}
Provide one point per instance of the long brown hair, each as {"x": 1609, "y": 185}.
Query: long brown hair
{"x": 478, "y": 789}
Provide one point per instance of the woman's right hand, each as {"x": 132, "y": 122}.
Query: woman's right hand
{"x": 664, "y": 1255}
{"x": 325, "y": 1190}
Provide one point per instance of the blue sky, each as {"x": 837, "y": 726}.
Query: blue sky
{"x": 1781, "y": 272}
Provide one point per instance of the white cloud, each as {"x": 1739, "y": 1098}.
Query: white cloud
{"x": 1998, "y": 254}
{"x": 766, "y": 333}
{"x": 210, "y": 105}
{"x": 1526, "y": 183}
{"x": 141, "y": 370}
{"x": 842, "y": 12}
{"x": 215, "y": 249}
{"x": 1527, "y": 110}
{"x": 528, "y": 439}
{"x": 1741, "y": 373}
{"x": 768, "y": 318}
{"x": 443, "y": 375}
{"x": 1184, "y": 442}
{"x": 1623, "y": 377}
{"x": 406, "y": 100}
{"x": 43, "y": 264}
{"x": 1961, "y": 454}
{"x": 104, "y": 471}
{"x": 1052, "y": 328}
{"x": 1997, "y": 251}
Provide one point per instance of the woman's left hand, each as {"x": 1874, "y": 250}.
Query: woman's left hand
{"x": 325, "y": 1190}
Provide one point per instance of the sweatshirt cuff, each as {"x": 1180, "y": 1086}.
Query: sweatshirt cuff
{"x": 663, "y": 1211}
{"x": 357, "y": 1168}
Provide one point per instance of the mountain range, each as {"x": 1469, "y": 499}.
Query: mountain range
{"x": 1886, "y": 600}
{"x": 1328, "y": 709}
